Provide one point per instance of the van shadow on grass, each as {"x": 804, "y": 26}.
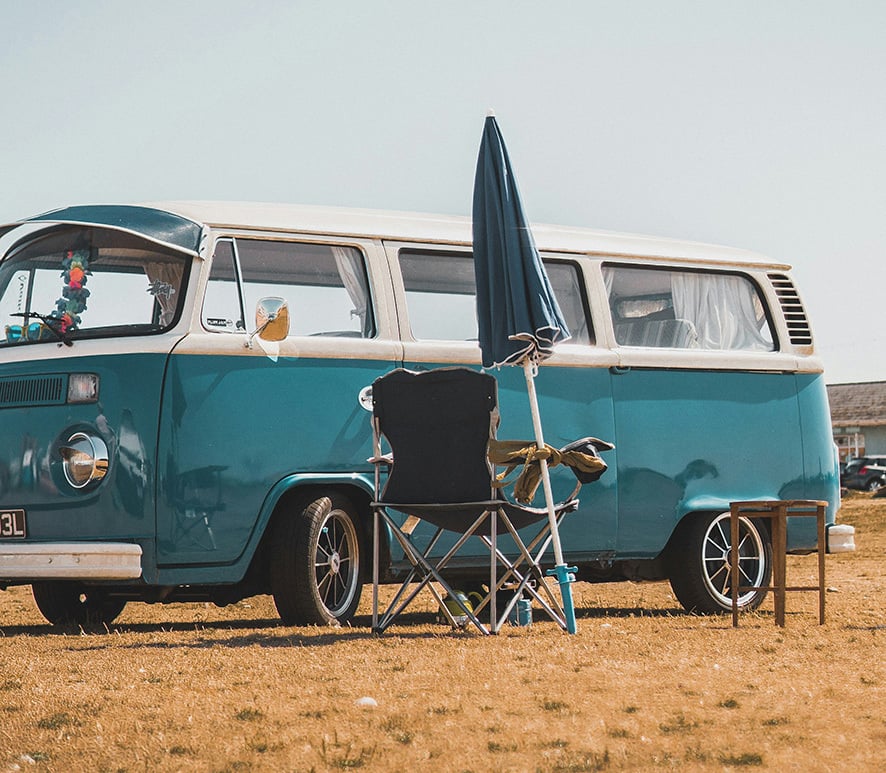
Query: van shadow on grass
{"x": 47, "y": 629}
{"x": 271, "y": 632}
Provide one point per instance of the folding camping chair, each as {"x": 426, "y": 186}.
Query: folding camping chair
{"x": 440, "y": 426}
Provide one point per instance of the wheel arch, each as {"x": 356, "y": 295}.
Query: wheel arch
{"x": 696, "y": 560}
{"x": 706, "y": 509}
{"x": 357, "y": 487}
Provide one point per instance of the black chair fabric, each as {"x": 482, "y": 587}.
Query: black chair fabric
{"x": 438, "y": 424}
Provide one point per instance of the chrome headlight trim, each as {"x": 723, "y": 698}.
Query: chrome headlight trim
{"x": 84, "y": 459}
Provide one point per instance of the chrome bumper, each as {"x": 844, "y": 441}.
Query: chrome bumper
{"x": 70, "y": 561}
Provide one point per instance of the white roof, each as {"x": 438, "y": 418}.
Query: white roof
{"x": 418, "y": 227}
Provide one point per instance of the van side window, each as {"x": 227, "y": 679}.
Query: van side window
{"x": 440, "y": 292}
{"x": 222, "y": 310}
{"x": 325, "y": 286}
{"x": 686, "y": 309}
{"x": 566, "y": 282}
{"x": 441, "y": 289}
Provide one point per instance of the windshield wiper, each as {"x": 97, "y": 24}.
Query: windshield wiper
{"x": 49, "y": 322}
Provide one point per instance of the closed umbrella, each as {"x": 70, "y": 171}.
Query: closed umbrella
{"x": 519, "y": 319}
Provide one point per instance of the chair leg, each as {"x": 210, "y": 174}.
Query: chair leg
{"x": 375, "y": 560}
{"x": 421, "y": 572}
{"x": 533, "y": 553}
{"x": 494, "y": 625}
{"x": 426, "y": 574}
{"x": 524, "y": 568}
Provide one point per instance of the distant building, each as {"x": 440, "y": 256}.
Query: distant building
{"x": 858, "y": 414}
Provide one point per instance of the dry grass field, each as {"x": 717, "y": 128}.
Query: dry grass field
{"x": 642, "y": 686}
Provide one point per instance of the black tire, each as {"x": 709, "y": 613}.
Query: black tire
{"x": 699, "y": 565}
{"x": 874, "y": 484}
{"x": 316, "y": 572}
{"x": 71, "y": 603}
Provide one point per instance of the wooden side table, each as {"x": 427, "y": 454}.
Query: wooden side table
{"x": 778, "y": 511}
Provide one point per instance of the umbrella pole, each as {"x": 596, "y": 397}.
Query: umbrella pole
{"x": 565, "y": 574}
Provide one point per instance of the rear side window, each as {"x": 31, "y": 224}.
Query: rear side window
{"x": 670, "y": 309}
{"x": 325, "y": 286}
{"x": 441, "y": 296}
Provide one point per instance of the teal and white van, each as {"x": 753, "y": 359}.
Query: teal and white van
{"x": 184, "y": 392}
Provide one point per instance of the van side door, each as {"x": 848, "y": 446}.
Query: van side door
{"x": 240, "y": 414}
{"x": 705, "y": 403}
{"x": 438, "y": 324}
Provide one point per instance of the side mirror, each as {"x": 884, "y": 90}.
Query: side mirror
{"x": 271, "y": 320}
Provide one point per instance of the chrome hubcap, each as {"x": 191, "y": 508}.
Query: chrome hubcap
{"x": 718, "y": 563}
{"x": 336, "y": 563}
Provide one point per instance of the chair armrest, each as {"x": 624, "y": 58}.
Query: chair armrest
{"x": 582, "y": 457}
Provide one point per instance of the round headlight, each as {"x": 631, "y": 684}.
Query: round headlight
{"x": 84, "y": 459}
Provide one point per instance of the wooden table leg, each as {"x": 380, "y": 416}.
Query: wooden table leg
{"x": 779, "y": 553}
{"x": 822, "y": 548}
{"x": 733, "y": 559}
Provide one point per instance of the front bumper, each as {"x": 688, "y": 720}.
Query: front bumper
{"x": 70, "y": 561}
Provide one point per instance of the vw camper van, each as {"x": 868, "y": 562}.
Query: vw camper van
{"x": 184, "y": 391}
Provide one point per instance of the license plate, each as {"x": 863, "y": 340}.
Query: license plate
{"x": 12, "y": 524}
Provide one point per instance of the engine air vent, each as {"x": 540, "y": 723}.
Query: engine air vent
{"x": 35, "y": 390}
{"x": 799, "y": 331}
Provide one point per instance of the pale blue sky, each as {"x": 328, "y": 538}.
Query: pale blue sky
{"x": 755, "y": 124}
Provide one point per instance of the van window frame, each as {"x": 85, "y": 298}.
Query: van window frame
{"x": 233, "y": 239}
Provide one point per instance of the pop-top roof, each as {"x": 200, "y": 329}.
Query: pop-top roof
{"x": 158, "y": 225}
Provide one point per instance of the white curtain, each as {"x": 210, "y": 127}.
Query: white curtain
{"x": 349, "y": 263}
{"x": 608, "y": 280}
{"x": 165, "y": 279}
{"x": 724, "y": 309}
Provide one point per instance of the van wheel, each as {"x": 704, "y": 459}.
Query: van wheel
{"x": 700, "y": 563}
{"x": 315, "y": 561}
{"x": 71, "y": 603}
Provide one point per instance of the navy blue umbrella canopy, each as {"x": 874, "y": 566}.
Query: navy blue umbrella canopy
{"x": 517, "y": 312}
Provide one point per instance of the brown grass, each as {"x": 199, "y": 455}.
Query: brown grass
{"x": 642, "y": 686}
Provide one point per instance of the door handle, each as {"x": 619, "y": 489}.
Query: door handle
{"x": 365, "y": 398}
{"x": 618, "y": 370}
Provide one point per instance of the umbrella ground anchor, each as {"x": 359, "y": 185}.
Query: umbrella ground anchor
{"x": 565, "y": 577}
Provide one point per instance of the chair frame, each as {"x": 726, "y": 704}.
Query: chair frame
{"x": 515, "y": 576}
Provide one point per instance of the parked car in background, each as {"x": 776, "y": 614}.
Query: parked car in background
{"x": 867, "y": 473}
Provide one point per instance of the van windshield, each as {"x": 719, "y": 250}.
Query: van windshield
{"x": 69, "y": 283}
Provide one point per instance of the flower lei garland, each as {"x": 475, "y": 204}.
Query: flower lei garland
{"x": 74, "y": 295}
